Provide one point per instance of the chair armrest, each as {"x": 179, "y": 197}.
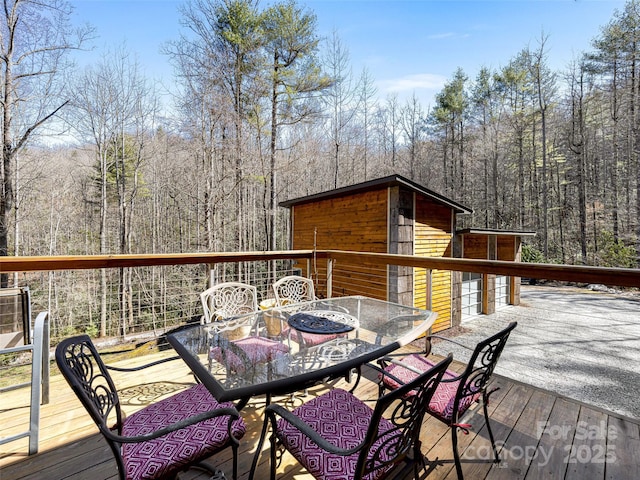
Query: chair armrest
{"x": 232, "y": 412}
{"x": 142, "y": 367}
{"x": 383, "y": 373}
{"x": 408, "y": 367}
{"x": 274, "y": 409}
{"x": 386, "y": 361}
{"x": 329, "y": 306}
{"x": 467, "y": 347}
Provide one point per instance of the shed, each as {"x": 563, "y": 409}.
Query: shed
{"x": 386, "y": 215}
{"x": 485, "y": 293}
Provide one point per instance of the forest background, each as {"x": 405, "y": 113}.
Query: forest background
{"x": 266, "y": 110}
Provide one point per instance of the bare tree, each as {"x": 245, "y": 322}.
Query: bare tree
{"x": 367, "y": 94}
{"x": 412, "y": 117}
{"x": 291, "y": 45}
{"x": 488, "y": 108}
{"x": 513, "y": 83}
{"x": 389, "y": 126}
{"x": 544, "y": 81}
{"x": 223, "y": 52}
{"x": 115, "y": 112}
{"x": 339, "y": 98}
{"x": 35, "y": 38}
{"x": 578, "y": 82}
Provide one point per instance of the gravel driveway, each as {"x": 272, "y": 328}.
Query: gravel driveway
{"x": 578, "y": 342}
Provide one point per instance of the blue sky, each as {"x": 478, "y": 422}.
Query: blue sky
{"x": 411, "y": 46}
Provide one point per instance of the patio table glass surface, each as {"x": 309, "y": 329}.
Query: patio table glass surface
{"x": 351, "y": 331}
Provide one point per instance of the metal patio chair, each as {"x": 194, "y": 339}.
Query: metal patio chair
{"x": 456, "y": 392}
{"x": 295, "y": 289}
{"x": 337, "y": 436}
{"x": 160, "y": 440}
{"x": 240, "y": 345}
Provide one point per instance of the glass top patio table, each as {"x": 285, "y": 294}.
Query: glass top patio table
{"x": 347, "y": 331}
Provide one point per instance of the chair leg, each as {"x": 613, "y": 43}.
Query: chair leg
{"x": 256, "y": 457}
{"x": 493, "y": 442}
{"x": 456, "y": 455}
{"x": 418, "y": 459}
{"x": 235, "y": 461}
{"x": 273, "y": 459}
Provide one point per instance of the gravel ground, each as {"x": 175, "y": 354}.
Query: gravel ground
{"x": 583, "y": 343}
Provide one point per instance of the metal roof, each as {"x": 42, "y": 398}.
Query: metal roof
{"x": 390, "y": 181}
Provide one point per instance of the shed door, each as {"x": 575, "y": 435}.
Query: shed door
{"x": 502, "y": 291}
{"x": 471, "y": 294}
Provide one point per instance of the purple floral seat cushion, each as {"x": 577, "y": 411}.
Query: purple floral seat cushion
{"x": 163, "y": 456}
{"x": 311, "y": 339}
{"x": 342, "y": 419}
{"x": 441, "y": 404}
{"x": 257, "y": 349}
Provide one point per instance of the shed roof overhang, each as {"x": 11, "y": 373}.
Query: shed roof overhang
{"x": 384, "y": 182}
{"x": 490, "y": 231}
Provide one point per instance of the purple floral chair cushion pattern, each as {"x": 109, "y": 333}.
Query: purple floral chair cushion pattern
{"x": 163, "y": 456}
{"x": 257, "y": 349}
{"x": 342, "y": 419}
{"x": 441, "y": 403}
{"x": 310, "y": 339}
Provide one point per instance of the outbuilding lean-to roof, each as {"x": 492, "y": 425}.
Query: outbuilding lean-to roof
{"x": 390, "y": 181}
{"x": 492, "y": 231}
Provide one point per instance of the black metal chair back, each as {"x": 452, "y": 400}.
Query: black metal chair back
{"x": 81, "y": 365}
{"x": 407, "y": 414}
{"x": 144, "y": 443}
{"x": 386, "y": 435}
{"x": 481, "y": 365}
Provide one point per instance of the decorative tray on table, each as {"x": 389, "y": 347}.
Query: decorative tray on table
{"x": 322, "y": 322}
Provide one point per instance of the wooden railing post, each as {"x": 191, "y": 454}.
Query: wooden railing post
{"x": 456, "y": 298}
{"x": 329, "y": 277}
{"x": 488, "y": 293}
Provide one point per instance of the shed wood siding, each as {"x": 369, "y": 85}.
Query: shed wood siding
{"x": 476, "y": 247}
{"x": 356, "y": 222}
{"x": 433, "y": 238}
{"x": 506, "y": 248}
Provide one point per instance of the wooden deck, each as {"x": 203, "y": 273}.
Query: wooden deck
{"x": 540, "y": 435}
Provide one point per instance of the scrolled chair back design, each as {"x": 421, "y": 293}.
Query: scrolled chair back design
{"x": 232, "y": 302}
{"x": 481, "y": 366}
{"x": 406, "y": 417}
{"x": 90, "y": 375}
{"x": 227, "y": 300}
{"x": 294, "y": 289}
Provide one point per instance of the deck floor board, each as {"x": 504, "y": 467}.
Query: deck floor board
{"x": 540, "y": 435}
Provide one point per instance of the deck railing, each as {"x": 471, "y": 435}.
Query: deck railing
{"x": 124, "y": 296}
{"x": 38, "y": 348}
